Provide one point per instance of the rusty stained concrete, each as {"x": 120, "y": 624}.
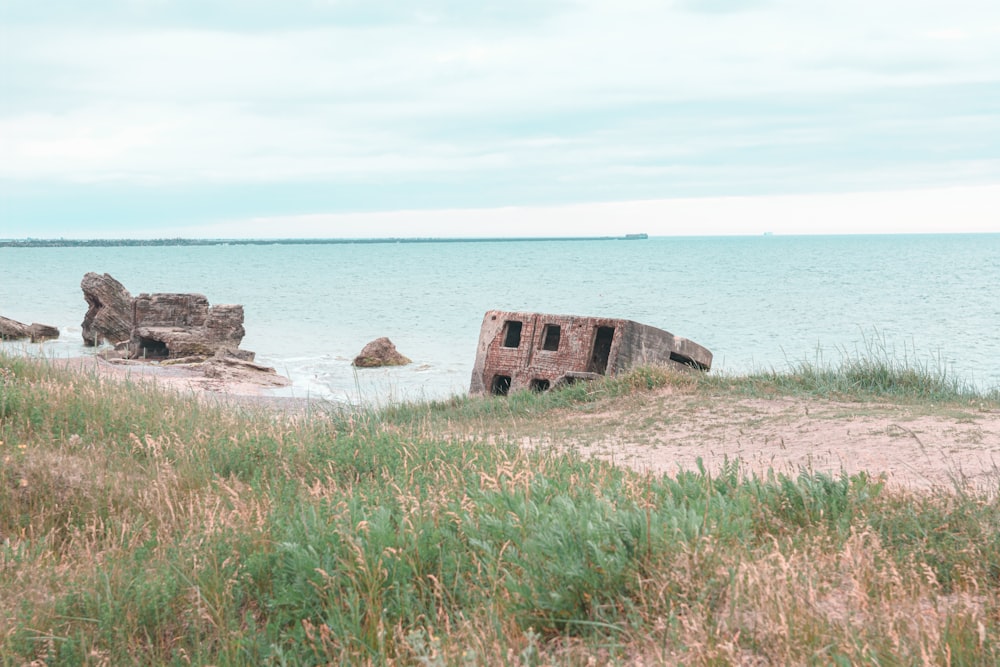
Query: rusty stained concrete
{"x": 523, "y": 350}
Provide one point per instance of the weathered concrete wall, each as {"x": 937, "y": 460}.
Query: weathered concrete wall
{"x": 109, "y": 311}
{"x": 174, "y": 325}
{"x": 640, "y": 344}
{"x": 170, "y": 310}
{"x": 555, "y": 348}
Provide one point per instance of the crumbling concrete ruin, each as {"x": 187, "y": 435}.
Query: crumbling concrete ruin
{"x": 519, "y": 350}
{"x": 109, "y": 311}
{"x": 171, "y": 326}
{"x": 159, "y": 326}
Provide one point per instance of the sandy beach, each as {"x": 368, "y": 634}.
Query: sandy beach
{"x": 669, "y": 429}
{"x": 245, "y": 389}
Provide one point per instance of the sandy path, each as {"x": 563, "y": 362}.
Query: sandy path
{"x": 912, "y": 449}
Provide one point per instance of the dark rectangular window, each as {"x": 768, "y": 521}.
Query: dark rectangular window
{"x": 601, "y": 353}
{"x": 550, "y": 337}
{"x": 687, "y": 361}
{"x": 512, "y": 334}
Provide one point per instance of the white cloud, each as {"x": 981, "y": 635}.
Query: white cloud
{"x": 633, "y": 50}
{"x": 610, "y": 96}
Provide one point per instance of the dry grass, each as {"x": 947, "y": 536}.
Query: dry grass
{"x": 143, "y": 527}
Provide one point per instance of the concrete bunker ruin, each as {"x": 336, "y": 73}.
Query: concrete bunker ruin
{"x": 159, "y": 326}
{"x": 150, "y": 348}
{"x": 537, "y": 351}
{"x": 172, "y": 325}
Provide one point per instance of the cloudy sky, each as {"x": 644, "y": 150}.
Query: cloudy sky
{"x": 346, "y": 118}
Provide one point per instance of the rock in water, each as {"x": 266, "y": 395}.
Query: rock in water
{"x": 14, "y": 330}
{"x": 109, "y": 312}
{"x": 379, "y": 352}
{"x": 40, "y": 332}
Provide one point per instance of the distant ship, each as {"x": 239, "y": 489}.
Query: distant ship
{"x": 636, "y": 237}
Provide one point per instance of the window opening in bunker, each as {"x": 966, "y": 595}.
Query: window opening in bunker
{"x": 501, "y": 385}
{"x": 550, "y": 337}
{"x": 602, "y": 349}
{"x": 150, "y": 348}
{"x": 540, "y": 385}
{"x": 512, "y": 334}
{"x": 687, "y": 361}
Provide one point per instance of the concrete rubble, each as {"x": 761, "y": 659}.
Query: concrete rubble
{"x": 169, "y": 328}
{"x": 14, "y": 330}
{"x": 159, "y": 326}
{"x": 109, "y": 311}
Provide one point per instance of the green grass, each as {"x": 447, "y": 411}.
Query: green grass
{"x": 143, "y": 527}
{"x": 873, "y": 375}
{"x": 877, "y": 372}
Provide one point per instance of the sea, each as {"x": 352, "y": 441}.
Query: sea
{"x": 758, "y": 303}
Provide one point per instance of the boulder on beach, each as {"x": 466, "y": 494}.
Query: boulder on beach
{"x": 14, "y": 330}
{"x": 109, "y": 311}
{"x": 380, "y": 352}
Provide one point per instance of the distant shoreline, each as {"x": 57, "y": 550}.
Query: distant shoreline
{"x": 109, "y": 243}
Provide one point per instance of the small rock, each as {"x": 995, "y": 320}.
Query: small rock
{"x": 379, "y": 352}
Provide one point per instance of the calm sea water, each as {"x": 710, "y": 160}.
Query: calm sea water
{"x": 755, "y": 302}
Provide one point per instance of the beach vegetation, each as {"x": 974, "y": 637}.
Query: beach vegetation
{"x": 145, "y": 526}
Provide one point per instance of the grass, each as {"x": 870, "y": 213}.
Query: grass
{"x": 144, "y": 527}
{"x": 876, "y": 372}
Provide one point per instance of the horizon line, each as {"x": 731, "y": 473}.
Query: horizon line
{"x": 178, "y": 240}
{"x": 62, "y": 241}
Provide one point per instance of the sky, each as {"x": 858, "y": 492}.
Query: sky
{"x": 363, "y": 118}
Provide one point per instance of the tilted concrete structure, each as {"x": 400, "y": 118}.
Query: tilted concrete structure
{"x": 520, "y": 350}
